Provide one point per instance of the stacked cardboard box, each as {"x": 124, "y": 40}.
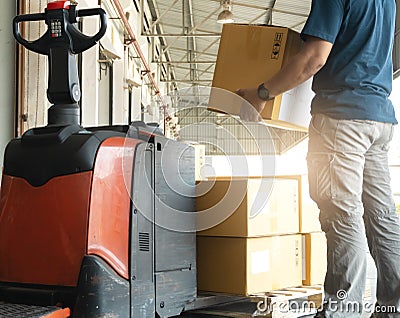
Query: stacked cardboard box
{"x": 314, "y": 240}
{"x": 249, "y": 207}
{"x": 256, "y": 248}
{"x": 308, "y": 209}
{"x": 248, "y": 265}
{"x": 314, "y": 258}
{"x": 262, "y": 228}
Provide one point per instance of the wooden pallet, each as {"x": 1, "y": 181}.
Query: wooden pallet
{"x": 289, "y": 302}
{"x": 275, "y": 304}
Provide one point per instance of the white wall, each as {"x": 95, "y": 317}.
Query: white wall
{"x": 36, "y": 103}
{"x": 7, "y": 78}
{"x": 90, "y": 71}
{"x": 394, "y": 153}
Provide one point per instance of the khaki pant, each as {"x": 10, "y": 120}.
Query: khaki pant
{"x": 349, "y": 180}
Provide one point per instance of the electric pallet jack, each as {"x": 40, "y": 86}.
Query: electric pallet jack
{"x": 94, "y": 222}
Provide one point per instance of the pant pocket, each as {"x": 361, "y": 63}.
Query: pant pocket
{"x": 321, "y": 176}
{"x": 389, "y": 131}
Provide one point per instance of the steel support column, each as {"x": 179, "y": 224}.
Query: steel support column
{"x": 7, "y": 75}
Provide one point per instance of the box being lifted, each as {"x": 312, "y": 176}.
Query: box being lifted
{"x": 246, "y": 266}
{"x": 247, "y": 56}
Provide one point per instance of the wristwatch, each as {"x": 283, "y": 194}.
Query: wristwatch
{"x": 263, "y": 92}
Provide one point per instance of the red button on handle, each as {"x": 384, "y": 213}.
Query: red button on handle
{"x": 56, "y": 5}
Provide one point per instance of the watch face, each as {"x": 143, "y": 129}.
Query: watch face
{"x": 263, "y": 93}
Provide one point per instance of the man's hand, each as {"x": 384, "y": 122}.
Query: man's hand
{"x": 247, "y": 112}
{"x": 311, "y": 58}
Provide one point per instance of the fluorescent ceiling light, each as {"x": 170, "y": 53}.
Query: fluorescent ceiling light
{"x": 226, "y": 15}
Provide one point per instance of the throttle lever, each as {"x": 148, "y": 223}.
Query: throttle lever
{"x": 82, "y": 42}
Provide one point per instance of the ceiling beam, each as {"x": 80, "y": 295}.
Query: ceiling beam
{"x": 191, "y": 32}
{"x": 185, "y": 62}
{"x": 198, "y": 53}
{"x": 186, "y": 81}
{"x": 183, "y": 35}
{"x": 162, "y": 15}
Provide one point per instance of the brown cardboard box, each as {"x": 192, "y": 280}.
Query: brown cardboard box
{"x": 247, "y": 56}
{"x": 308, "y": 209}
{"x": 247, "y": 207}
{"x": 245, "y": 266}
{"x": 314, "y": 258}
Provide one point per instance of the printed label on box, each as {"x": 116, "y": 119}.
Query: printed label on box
{"x": 276, "y": 48}
{"x": 260, "y": 262}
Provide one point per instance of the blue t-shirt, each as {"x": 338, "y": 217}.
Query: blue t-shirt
{"x": 356, "y": 80}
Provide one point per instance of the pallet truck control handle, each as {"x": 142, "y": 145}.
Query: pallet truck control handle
{"x": 30, "y": 45}
{"x": 61, "y": 42}
{"x": 61, "y": 29}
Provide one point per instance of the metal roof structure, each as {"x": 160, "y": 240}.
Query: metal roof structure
{"x": 187, "y": 49}
{"x": 190, "y": 34}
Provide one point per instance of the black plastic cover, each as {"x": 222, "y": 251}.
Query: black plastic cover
{"x": 45, "y": 153}
{"x": 136, "y": 129}
{"x": 101, "y": 291}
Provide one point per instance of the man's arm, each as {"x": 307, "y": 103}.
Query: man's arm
{"x": 305, "y": 64}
